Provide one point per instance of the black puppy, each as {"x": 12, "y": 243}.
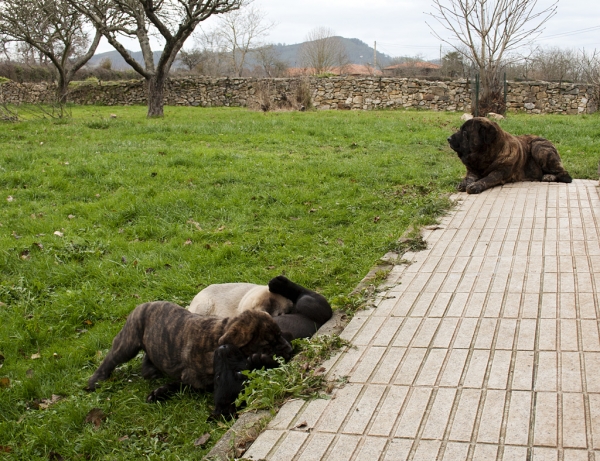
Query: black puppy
{"x": 309, "y": 312}
{"x": 229, "y": 362}
{"x": 181, "y": 345}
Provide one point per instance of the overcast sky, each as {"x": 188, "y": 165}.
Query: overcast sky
{"x": 399, "y": 26}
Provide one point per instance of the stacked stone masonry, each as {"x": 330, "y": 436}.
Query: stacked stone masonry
{"x": 326, "y": 94}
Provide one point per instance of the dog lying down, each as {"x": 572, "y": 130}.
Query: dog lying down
{"x": 301, "y": 313}
{"x": 182, "y": 345}
{"x": 494, "y": 157}
{"x": 229, "y": 299}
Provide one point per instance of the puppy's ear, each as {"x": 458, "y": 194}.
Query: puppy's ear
{"x": 242, "y": 328}
{"x": 488, "y": 132}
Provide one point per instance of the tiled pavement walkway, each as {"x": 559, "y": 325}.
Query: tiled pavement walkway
{"x": 486, "y": 347}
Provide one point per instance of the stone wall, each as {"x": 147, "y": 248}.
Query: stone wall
{"x": 325, "y": 93}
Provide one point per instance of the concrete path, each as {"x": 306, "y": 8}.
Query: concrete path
{"x": 486, "y": 347}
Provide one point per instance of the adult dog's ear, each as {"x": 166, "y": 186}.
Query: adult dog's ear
{"x": 240, "y": 330}
{"x": 488, "y": 132}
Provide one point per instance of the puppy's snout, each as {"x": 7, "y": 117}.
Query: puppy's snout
{"x": 449, "y": 138}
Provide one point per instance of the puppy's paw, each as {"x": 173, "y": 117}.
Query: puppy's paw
{"x": 475, "y": 188}
{"x": 159, "y": 394}
{"x": 279, "y": 284}
{"x": 549, "y": 178}
{"x": 462, "y": 186}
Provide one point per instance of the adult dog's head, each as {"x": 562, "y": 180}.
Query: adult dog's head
{"x": 474, "y": 141}
{"x": 255, "y": 331}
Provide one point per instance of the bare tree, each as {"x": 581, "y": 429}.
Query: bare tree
{"x": 172, "y": 21}
{"x": 191, "y": 58}
{"x": 214, "y": 55}
{"x": 590, "y": 69}
{"x": 268, "y": 59}
{"x": 239, "y": 32}
{"x": 554, "y": 64}
{"x": 323, "y": 51}
{"x": 51, "y": 31}
{"x": 489, "y": 30}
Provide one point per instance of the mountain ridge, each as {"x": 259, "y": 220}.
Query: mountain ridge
{"x": 357, "y": 51}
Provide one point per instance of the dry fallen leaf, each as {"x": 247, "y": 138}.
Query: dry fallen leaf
{"x": 36, "y": 356}
{"x": 5, "y": 449}
{"x": 58, "y": 233}
{"x": 46, "y": 403}
{"x": 376, "y": 219}
{"x": 71, "y": 216}
{"x": 202, "y": 440}
{"x": 122, "y": 439}
{"x": 25, "y": 255}
{"x": 10, "y": 198}
{"x": 4, "y": 382}
{"x": 302, "y": 425}
{"x": 95, "y": 417}
{"x": 188, "y": 242}
{"x": 196, "y": 224}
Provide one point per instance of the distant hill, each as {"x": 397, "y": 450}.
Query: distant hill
{"x": 117, "y": 61}
{"x": 358, "y": 53}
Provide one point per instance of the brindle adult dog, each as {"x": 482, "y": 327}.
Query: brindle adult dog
{"x": 494, "y": 157}
{"x": 181, "y": 345}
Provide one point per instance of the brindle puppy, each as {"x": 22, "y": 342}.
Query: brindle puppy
{"x": 181, "y": 344}
{"x": 494, "y": 157}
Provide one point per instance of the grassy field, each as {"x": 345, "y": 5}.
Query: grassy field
{"x": 99, "y": 214}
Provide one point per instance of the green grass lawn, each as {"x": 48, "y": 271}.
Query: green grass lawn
{"x": 99, "y": 214}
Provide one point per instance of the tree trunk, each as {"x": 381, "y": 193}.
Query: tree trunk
{"x": 62, "y": 88}
{"x": 156, "y": 88}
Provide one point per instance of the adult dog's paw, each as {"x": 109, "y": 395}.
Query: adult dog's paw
{"x": 475, "y": 188}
